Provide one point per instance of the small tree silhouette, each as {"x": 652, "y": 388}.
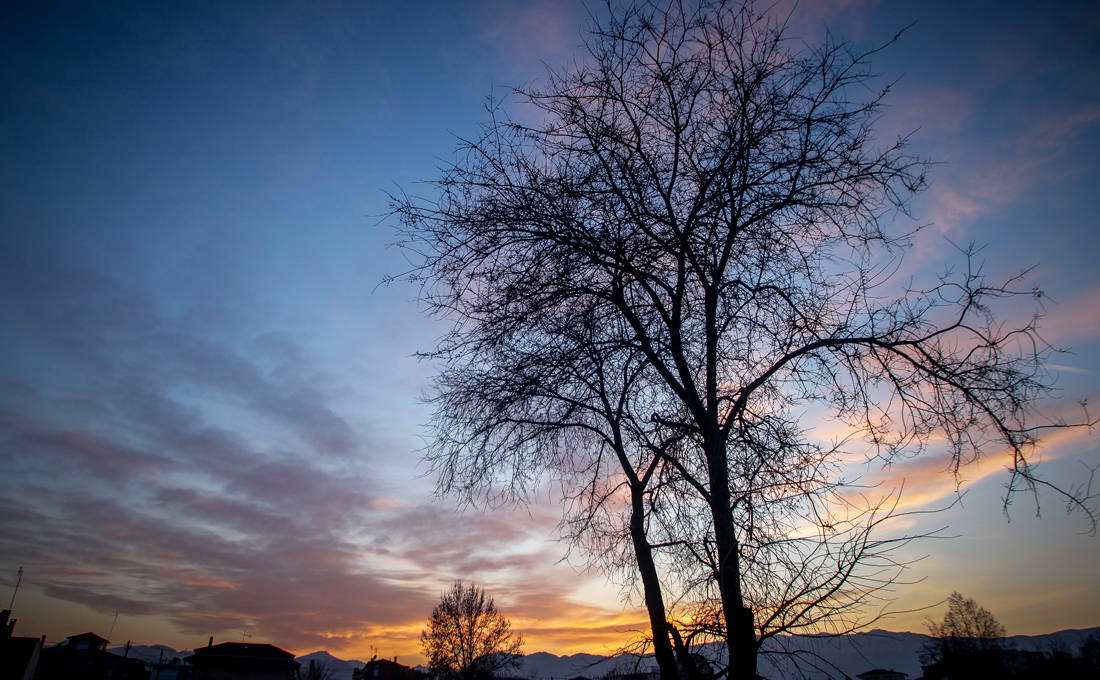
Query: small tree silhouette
{"x": 968, "y": 640}
{"x": 467, "y": 637}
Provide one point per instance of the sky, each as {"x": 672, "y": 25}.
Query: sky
{"x": 210, "y": 407}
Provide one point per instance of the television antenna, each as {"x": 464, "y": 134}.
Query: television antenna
{"x": 112, "y": 626}
{"x": 18, "y": 580}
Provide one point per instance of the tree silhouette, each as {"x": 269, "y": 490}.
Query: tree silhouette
{"x": 704, "y": 211}
{"x": 966, "y": 641}
{"x": 1089, "y": 655}
{"x": 467, "y": 637}
{"x": 576, "y": 402}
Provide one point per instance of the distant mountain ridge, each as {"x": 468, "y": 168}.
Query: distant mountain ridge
{"x": 150, "y": 653}
{"x": 341, "y": 669}
{"x": 822, "y": 656}
{"x": 827, "y": 656}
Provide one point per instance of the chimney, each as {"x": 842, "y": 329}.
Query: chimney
{"x": 211, "y": 642}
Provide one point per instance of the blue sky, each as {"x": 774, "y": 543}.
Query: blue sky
{"x": 209, "y": 415}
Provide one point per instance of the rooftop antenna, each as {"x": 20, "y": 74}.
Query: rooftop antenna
{"x": 112, "y": 626}
{"x": 245, "y": 634}
{"x": 18, "y": 580}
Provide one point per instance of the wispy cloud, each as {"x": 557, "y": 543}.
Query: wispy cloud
{"x": 216, "y": 482}
{"x": 1074, "y": 320}
{"x": 995, "y": 176}
{"x": 808, "y": 20}
{"x": 528, "y": 31}
{"x": 928, "y": 481}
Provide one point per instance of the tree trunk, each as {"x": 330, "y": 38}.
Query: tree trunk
{"x": 740, "y": 627}
{"x": 651, "y": 587}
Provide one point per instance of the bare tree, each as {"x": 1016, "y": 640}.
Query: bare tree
{"x": 707, "y": 201}
{"x": 564, "y": 398}
{"x": 965, "y": 620}
{"x": 967, "y": 640}
{"x": 467, "y": 637}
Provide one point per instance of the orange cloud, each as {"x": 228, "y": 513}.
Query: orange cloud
{"x": 574, "y": 627}
{"x": 928, "y": 480}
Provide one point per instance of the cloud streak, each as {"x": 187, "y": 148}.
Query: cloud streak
{"x": 217, "y": 484}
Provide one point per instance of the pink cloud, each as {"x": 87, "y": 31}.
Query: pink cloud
{"x": 809, "y": 19}
{"x": 989, "y": 178}
{"x": 530, "y": 31}
{"x": 214, "y": 564}
{"x": 1075, "y": 320}
{"x": 926, "y": 110}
